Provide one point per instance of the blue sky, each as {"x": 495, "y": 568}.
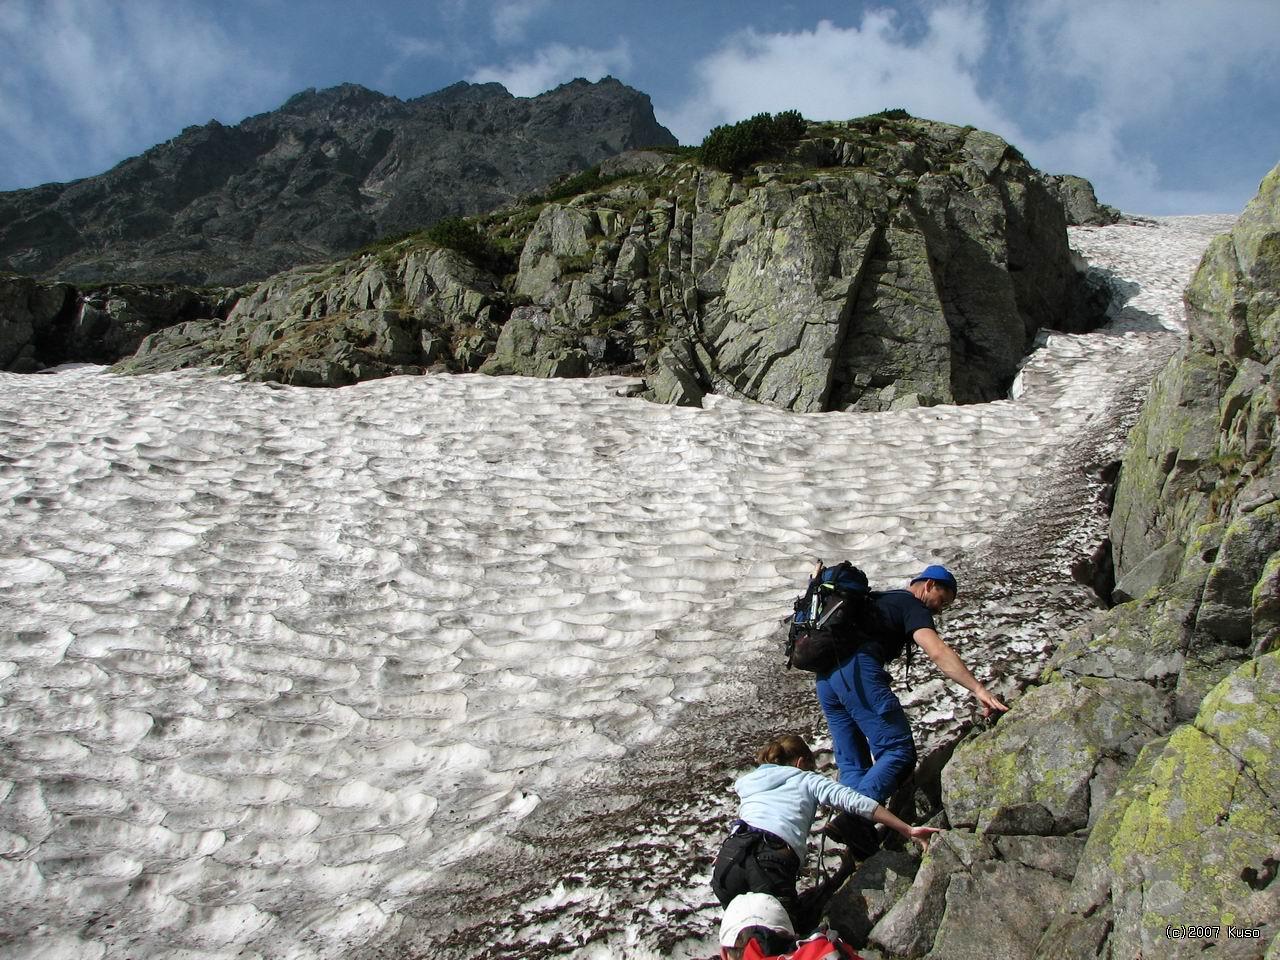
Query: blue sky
{"x": 1168, "y": 106}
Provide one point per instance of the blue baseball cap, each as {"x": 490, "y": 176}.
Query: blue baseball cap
{"x": 936, "y": 571}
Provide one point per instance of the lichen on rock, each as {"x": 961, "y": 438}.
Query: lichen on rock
{"x": 1033, "y": 773}
{"x": 1189, "y": 834}
{"x": 1192, "y": 828}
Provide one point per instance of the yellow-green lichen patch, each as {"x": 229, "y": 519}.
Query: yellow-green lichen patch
{"x": 1140, "y": 640}
{"x": 1192, "y": 782}
{"x": 1189, "y": 823}
{"x": 1242, "y": 713}
{"x": 1043, "y": 755}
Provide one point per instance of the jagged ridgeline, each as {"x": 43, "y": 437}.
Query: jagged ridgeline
{"x": 326, "y": 173}
{"x": 872, "y": 264}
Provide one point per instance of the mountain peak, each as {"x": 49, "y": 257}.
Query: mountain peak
{"x": 464, "y": 90}
{"x": 327, "y": 172}
{"x": 344, "y": 93}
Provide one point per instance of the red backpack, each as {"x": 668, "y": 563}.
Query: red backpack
{"x": 818, "y": 947}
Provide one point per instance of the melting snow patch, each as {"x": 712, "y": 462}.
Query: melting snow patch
{"x": 275, "y": 663}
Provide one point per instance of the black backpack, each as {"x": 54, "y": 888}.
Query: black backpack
{"x": 830, "y": 618}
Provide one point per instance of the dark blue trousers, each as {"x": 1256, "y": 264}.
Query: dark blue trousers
{"x": 869, "y": 730}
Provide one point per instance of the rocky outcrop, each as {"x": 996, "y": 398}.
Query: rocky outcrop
{"x": 975, "y": 896}
{"x": 1049, "y": 766}
{"x": 886, "y": 263}
{"x": 44, "y": 324}
{"x": 1199, "y": 477}
{"x": 913, "y": 270}
{"x": 28, "y": 311}
{"x": 1080, "y": 203}
{"x": 1192, "y": 831}
{"x": 1150, "y": 742}
{"x": 327, "y": 172}
{"x": 374, "y": 316}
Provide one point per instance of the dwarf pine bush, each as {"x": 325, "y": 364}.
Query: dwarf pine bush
{"x": 734, "y": 147}
{"x": 460, "y": 234}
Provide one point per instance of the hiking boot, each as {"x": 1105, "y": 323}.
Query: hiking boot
{"x": 855, "y": 833}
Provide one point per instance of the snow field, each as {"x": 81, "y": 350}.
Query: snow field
{"x": 274, "y": 660}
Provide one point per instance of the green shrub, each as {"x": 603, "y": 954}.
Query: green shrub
{"x": 383, "y": 246}
{"x": 573, "y": 186}
{"x": 789, "y": 126}
{"x": 886, "y": 126}
{"x": 676, "y": 151}
{"x": 735, "y": 147}
{"x": 460, "y": 234}
{"x": 577, "y": 263}
{"x": 583, "y": 182}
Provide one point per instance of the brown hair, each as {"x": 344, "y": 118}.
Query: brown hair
{"x": 784, "y": 750}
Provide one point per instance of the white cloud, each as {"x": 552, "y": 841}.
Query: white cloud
{"x": 418, "y": 48}
{"x": 85, "y": 84}
{"x": 512, "y": 17}
{"x": 555, "y": 64}
{"x": 1073, "y": 83}
{"x": 407, "y": 51}
{"x": 1093, "y": 147}
{"x": 1102, "y": 77}
{"x": 1150, "y": 56}
{"x": 833, "y": 72}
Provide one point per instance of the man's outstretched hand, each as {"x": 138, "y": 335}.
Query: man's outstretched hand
{"x": 990, "y": 702}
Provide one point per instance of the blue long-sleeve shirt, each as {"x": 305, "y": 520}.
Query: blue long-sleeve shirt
{"x": 784, "y": 801}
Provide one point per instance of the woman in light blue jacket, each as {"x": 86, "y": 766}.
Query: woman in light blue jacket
{"x": 767, "y": 844}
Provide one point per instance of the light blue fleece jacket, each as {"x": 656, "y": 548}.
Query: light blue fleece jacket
{"x": 784, "y": 801}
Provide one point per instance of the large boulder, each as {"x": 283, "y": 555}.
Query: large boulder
{"x": 45, "y": 324}
{"x": 560, "y": 241}
{"x": 1202, "y": 450}
{"x": 528, "y": 346}
{"x": 870, "y": 892}
{"x": 1047, "y": 765}
{"x": 1265, "y": 603}
{"x": 1169, "y": 466}
{"x": 921, "y": 282}
{"x": 979, "y": 896}
{"x": 1080, "y": 202}
{"x": 1226, "y": 608}
{"x": 112, "y": 321}
{"x": 792, "y": 257}
{"x": 1192, "y": 836}
{"x": 1233, "y": 303}
{"x": 888, "y": 264}
{"x": 373, "y": 316}
{"x": 29, "y": 312}
{"x": 1147, "y": 641}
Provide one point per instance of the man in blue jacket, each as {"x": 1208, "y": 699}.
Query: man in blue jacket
{"x": 874, "y": 749}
